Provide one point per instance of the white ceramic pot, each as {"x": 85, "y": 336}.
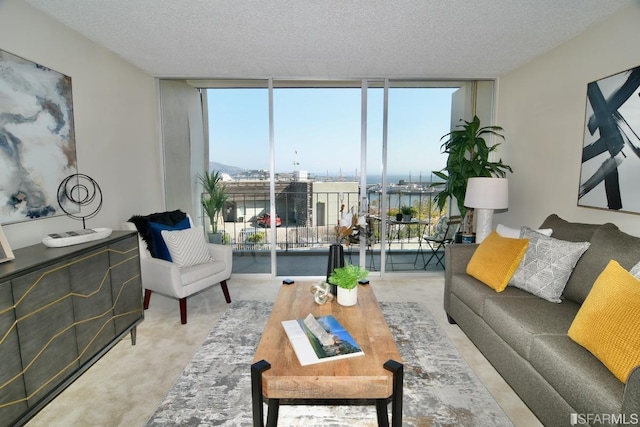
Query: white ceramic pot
{"x": 347, "y": 297}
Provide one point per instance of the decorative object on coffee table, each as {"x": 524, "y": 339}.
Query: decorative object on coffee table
{"x": 322, "y": 293}
{"x": 336, "y": 260}
{"x": 346, "y": 279}
{"x": 349, "y": 223}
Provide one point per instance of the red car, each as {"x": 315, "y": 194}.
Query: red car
{"x": 264, "y": 220}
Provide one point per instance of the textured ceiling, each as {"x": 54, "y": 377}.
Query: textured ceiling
{"x": 329, "y": 39}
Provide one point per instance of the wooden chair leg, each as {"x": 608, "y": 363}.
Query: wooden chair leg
{"x": 225, "y": 290}
{"x": 147, "y": 297}
{"x": 183, "y": 311}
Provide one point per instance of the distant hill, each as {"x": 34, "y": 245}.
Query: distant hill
{"x": 231, "y": 170}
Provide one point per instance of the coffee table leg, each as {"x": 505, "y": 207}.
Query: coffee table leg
{"x": 396, "y": 398}
{"x": 272, "y": 412}
{"x": 381, "y": 410}
{"x": 256, "y": 391}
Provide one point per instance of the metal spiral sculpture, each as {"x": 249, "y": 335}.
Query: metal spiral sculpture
{"x": 80, "y": 190}
{"x": 322, "y": 293}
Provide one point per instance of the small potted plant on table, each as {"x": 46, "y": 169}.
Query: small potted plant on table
{"x": 407, "y": 213}
{"x": 346, "y": 279}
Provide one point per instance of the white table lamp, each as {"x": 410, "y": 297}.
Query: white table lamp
{"x": 485, "y": 195}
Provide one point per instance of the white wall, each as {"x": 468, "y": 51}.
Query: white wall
{"x": 541, "y": 106}
{"x": 115, "y": 111}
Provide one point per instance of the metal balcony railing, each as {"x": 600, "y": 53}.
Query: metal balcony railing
{"x": 307, "y": 219}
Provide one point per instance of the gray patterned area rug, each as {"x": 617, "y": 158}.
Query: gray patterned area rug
{"x": 439, "y": 387}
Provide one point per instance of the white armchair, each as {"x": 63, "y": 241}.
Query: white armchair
{"x": 168, "y": 279}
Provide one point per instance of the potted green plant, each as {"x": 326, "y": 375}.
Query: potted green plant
{"x": 407, "y": 213}
{"x": 346, "y": 279}
{"x": 468, "y": 158}
{"x": 214, "y": 198}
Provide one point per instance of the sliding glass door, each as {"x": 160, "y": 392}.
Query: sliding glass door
{"x": 317, "y": 164}
{"x": 298, "y": 154}
{"x": 239, "y": 149}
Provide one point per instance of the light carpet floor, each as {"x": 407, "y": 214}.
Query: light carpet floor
{"x": 439, "y": 387}
{"x": 126, "y": 386}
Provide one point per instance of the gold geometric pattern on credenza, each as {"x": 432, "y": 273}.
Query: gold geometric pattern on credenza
{"x": 133, "y": 250}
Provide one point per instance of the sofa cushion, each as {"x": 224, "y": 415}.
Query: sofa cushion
{"x": 584, "y": 382}
{"x": 607, "y": 243}
{"x": 571, "y": 231}
{"x": 547, "y": 265}
{"x": 189, "y": 275}
{"x": 496, "y": 259}
{"x": 608, "y": 323}
{"x": 473, "y": 292}
{"x": 519, "y": 320}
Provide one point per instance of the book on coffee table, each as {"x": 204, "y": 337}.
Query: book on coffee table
{"x": 320, "y": 339}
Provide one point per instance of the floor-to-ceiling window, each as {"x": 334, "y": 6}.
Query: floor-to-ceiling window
{"x": 332, "y": 143}
{"x": 238, "y": 127}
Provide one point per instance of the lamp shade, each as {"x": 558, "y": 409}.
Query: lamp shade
{"x": 487, "y": 193}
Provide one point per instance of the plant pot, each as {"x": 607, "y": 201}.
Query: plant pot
{"x": 215, "y": 238}
{"x": 398, "y": 217}
{"x": 406, "y": 218}
{"x": 347, "y": 297}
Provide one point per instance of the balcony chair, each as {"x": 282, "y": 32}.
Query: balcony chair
{"x": 192, "y": 265}
{"x": 443, "y": 234}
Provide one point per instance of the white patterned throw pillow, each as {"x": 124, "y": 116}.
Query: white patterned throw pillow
{"x": 187, "y": 247}
{"x": 516, "y": 233}
{"x": 547, "y": 265}
{"x": 635, "y": 271}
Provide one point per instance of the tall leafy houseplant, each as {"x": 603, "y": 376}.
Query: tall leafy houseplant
{"x": 468, "y": 158}
{"x": 214, "y": 198}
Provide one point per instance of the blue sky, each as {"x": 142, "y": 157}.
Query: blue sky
{"x": 320, "y": 129}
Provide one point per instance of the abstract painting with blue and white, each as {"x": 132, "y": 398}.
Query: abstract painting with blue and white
{"x": 37, "y": 139}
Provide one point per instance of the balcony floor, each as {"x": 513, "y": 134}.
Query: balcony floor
{"x": 314, "y": 262}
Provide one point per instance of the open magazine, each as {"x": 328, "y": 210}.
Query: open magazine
{"x": 321, "y": 339}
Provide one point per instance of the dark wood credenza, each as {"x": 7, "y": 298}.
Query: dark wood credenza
{"x": 61, "y": 309}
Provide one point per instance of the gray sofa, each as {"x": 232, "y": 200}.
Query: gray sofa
{"x": 525, "y": 337}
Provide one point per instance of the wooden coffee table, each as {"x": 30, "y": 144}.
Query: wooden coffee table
{"x": 375, "y": 378}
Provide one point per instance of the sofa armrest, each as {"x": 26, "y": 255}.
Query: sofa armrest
{"x": 456, "y": 258}
{"x": 631, "y": 397}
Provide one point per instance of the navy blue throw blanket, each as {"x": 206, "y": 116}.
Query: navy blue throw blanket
{"x": 166, "y": 218}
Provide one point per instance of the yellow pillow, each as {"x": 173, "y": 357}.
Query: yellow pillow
{"x": 608, "y": 323}
{"x": 496, "y": 260}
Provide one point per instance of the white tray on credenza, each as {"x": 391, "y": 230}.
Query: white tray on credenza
{"x": 68, "y": 238}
